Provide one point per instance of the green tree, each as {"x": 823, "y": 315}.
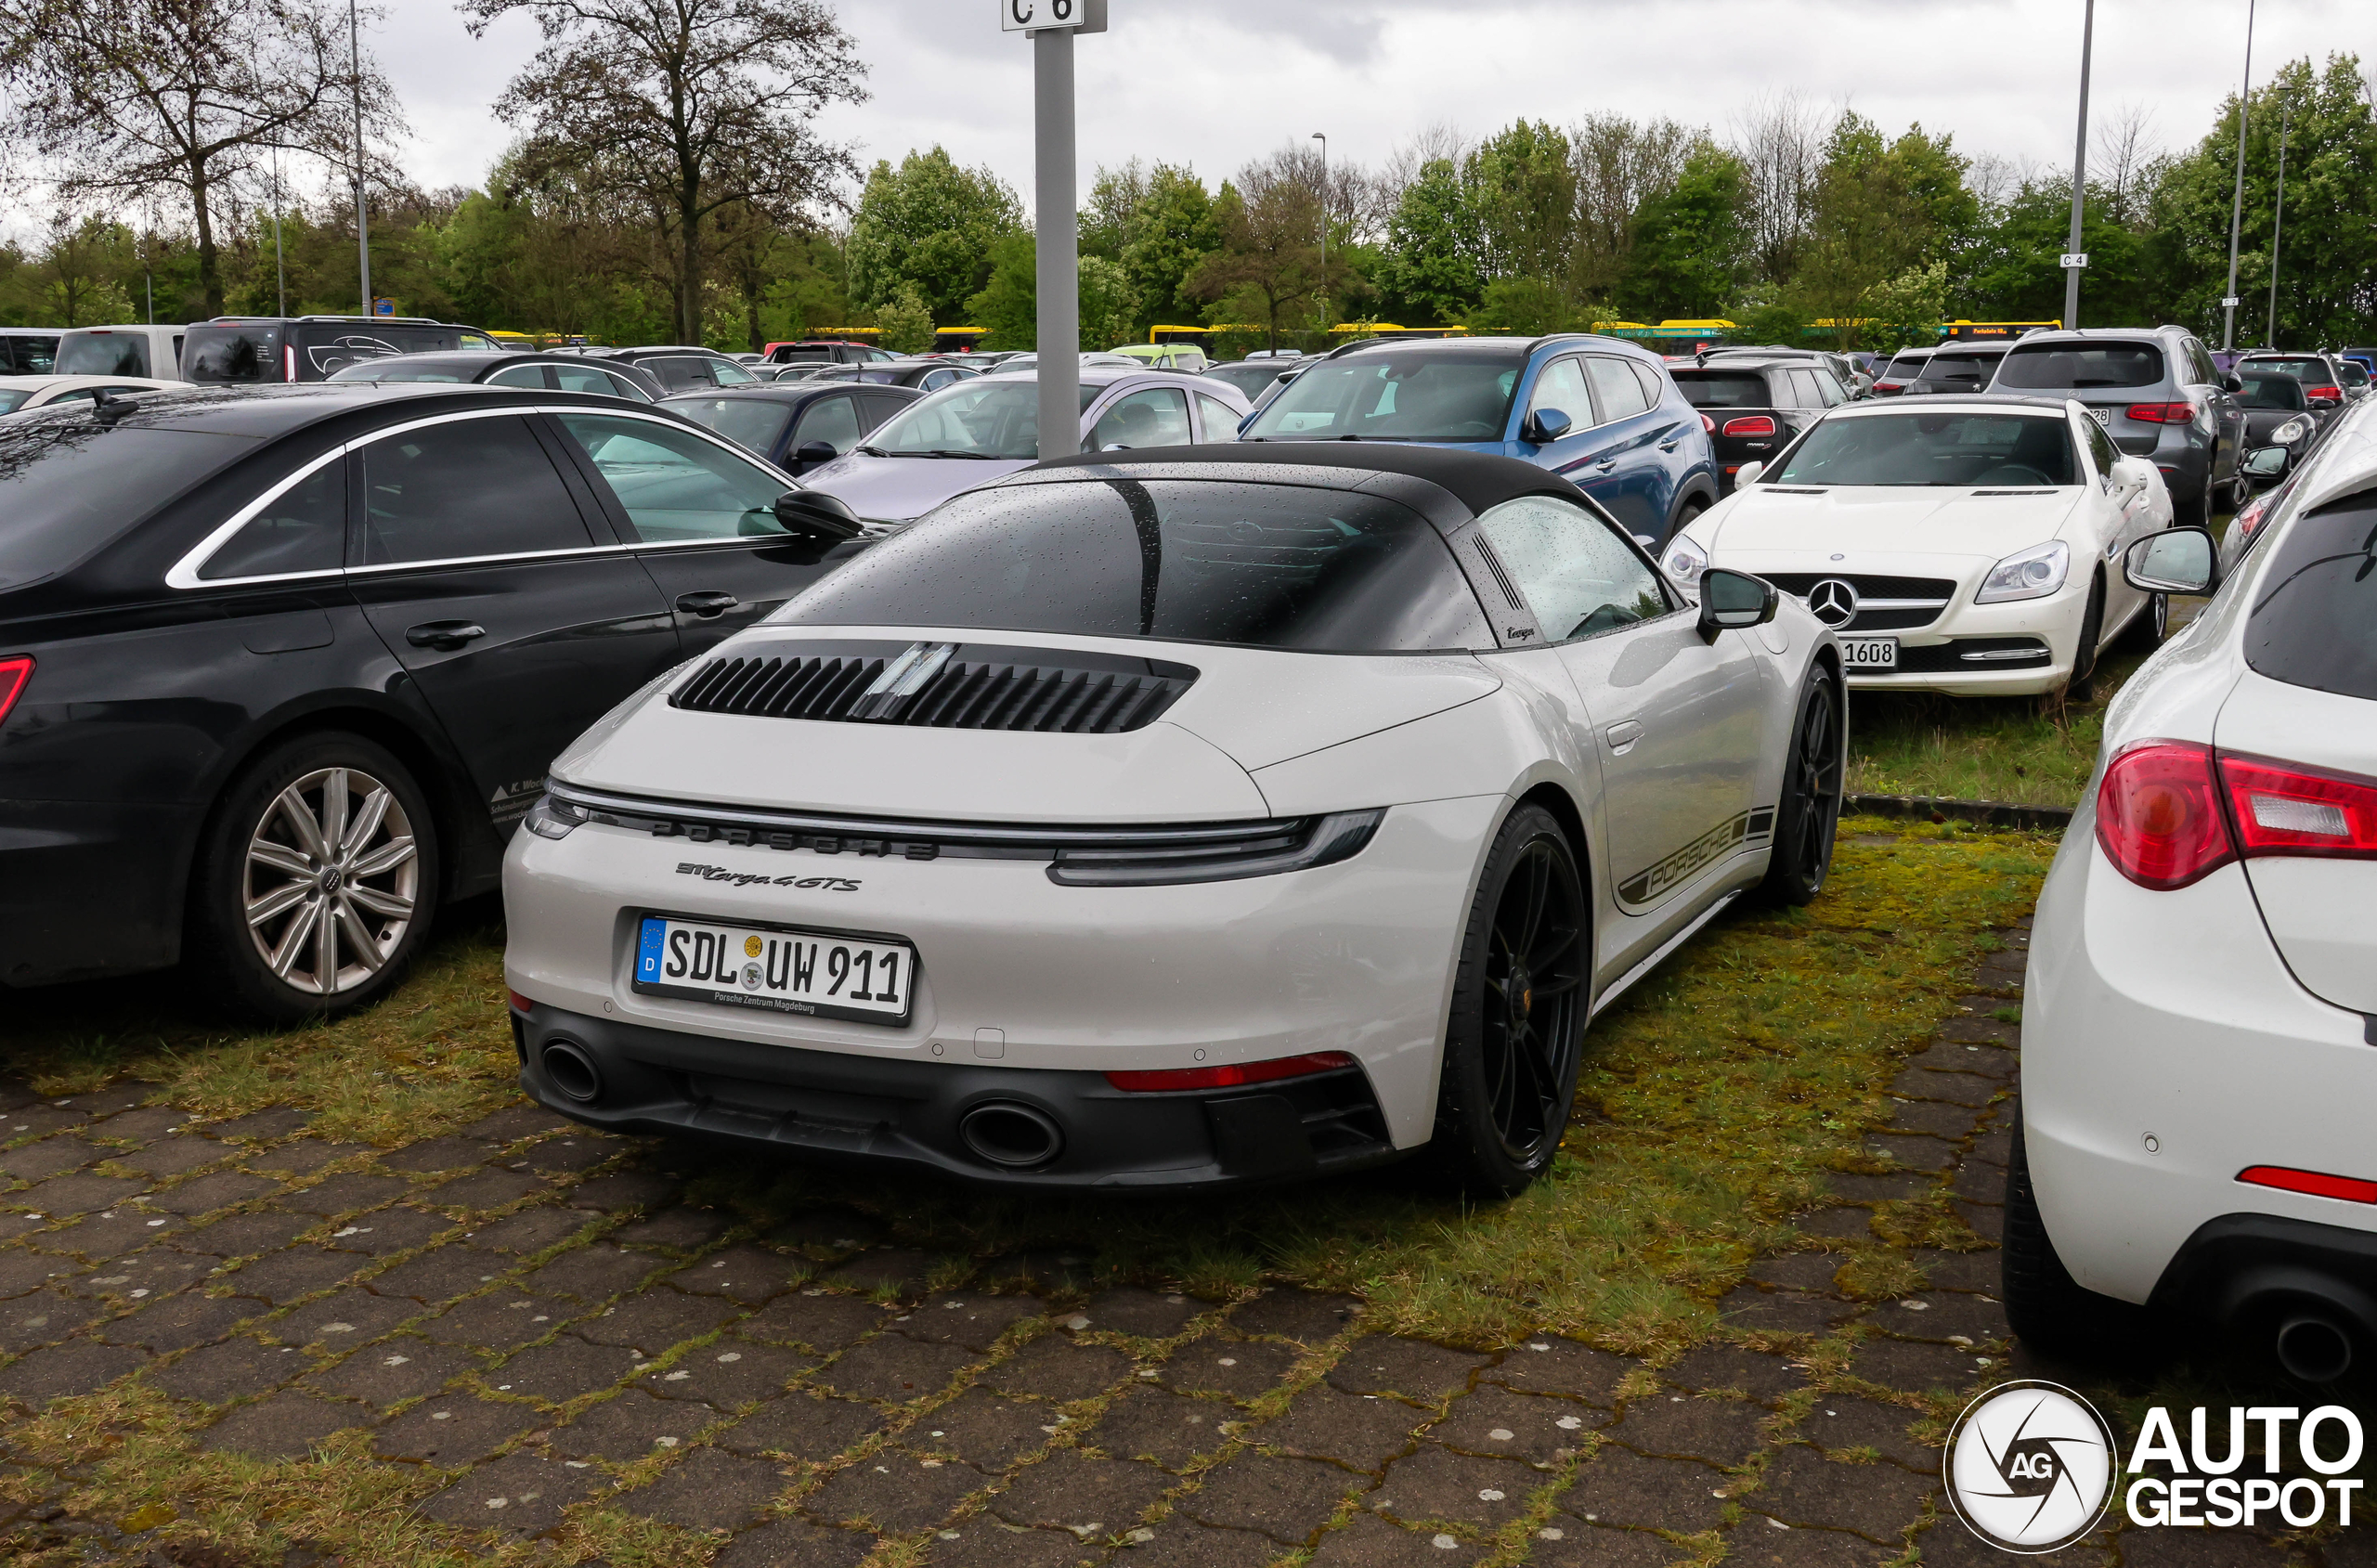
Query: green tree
{"x": 1691, "y": 244}
{"x": 1907, "y": 309}
{"x": 1879, "y": 209}
{"x": 1171, "y": 229}
{"x": 1009, "y": 302}
{"x": 1270, "y": 257}
{"x": 1521, "y": 187}
{"x": 2013, "y": 269}
{"x": 906, "y": 321}
{"x": 932, "y": 224}
{"x": 1429, "y": 275}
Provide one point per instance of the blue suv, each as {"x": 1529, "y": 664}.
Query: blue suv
{"x": 1601, "y": 410}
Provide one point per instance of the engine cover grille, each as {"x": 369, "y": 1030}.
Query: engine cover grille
{"x": 941, "y": 685}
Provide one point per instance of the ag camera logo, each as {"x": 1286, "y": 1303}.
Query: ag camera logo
{"x": 2031, "y": 1467}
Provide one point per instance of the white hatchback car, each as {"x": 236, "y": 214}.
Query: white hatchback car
{"x": 1961, "y": 544}
{"x": 22, "y": 395}
{"x": 2200, "y": 1029}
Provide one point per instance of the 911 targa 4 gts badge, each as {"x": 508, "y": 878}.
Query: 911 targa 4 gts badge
{"x": 751, "y": 878}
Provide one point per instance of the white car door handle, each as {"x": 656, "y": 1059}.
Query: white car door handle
{"x": 1623, "y": 736}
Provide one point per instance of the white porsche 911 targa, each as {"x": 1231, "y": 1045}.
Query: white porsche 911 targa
{"x": 1202, "y": 816}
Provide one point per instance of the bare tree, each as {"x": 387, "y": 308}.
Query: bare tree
{"x": 1779, "y": 137}
{"x": 1270, "y": 220}
{"x": 683, "y": 108}
{"x": 137, "y": 97}
{"x": 2123, "y": 155}
{"x": 1618, "y": 165}
{"x": 1441, "y": 141}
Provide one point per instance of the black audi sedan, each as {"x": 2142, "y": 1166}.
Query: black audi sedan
{"x": 281, "y": 668}
{"x": 797, "y": 425}
{"x": 555, "y": 372}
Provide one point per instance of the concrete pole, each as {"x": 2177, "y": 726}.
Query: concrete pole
{"x": 2236, "y": 203}
{"x": 1057, "y": 243}
{"x": 362, "y": 220}
{"x": 2079, "y": 171}
{"x": 1323, "y": 139}
{"x": 2278, "y": 219}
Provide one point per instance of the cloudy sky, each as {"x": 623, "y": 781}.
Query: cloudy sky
{"x": 1212, "y": 82}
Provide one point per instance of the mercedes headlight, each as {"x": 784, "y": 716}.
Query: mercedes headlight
{"x": 2032, "y": 574}
{"x": 1685, "y": 560}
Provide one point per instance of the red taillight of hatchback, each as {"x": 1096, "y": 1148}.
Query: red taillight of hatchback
{"x": 1750, "y": 425}
{"x": 2280, "y": 809}
{"x": 2323, "y": 397}
{"x": 1159, "y": 1081}
{"x": 2161, "y": 413}
{"x": 15, "y": 674}
{"x": 1708, "y": 424}
{"x": 2159, "y": 818}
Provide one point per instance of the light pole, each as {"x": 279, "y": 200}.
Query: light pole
{"x": 1055, "y": 225}
{"x": 2236, "y": 203}
{"x": 362, "y": 220}
{"x": 2278, "y": 219}
{"x": 1323, "y": 139}
{"x": 2075, "y": 260}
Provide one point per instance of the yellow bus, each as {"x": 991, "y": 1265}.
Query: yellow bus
{"x": 958, "y": 340}
{"x": 1986, "y": 332}
{"x": 1391, "y": 329}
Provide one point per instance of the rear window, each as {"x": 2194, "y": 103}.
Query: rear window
{"x": 751, "y": 422}
{"x": 2009, "y": 451}
{"x": 1961, "y": 373}
{"x": 2316, "y": 622}
{"x": 1391, "y": 397}
{"x": 329, "y": 347}
{"x": 2073, "y": 367}
{"x": 2268, "y": 389}
{"x": 70, "y": 487}
{"x": 103, "y": 354}
{"x": 232, "y": 354}
{"x": 1260, "y": 565}
{"x": 2310, "y": 372}
{"x": 1711, "y": 389}
{"x": 1905, "y": 368}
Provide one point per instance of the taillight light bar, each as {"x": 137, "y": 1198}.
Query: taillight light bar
{"x": 1162, "y": 1079}
{"x": 2169, "y": 813}
{"x": 15, "y": 676}
{"x": 1750, "y": 425}
{"x": 2351, "y": 1189}
{"x": 2161, "y": 413}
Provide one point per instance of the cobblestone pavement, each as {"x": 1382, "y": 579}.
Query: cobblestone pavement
{"x": 529, "y": 1318}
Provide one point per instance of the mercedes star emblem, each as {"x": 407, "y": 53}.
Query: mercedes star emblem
{"x": 1833, "y": 603}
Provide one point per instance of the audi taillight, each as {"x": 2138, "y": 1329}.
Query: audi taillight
{"x": 15, "y": 674}
{"x": 2158, "y": 815}
{"x": 2280, "y": 809}
{"x": 2161, "y": 413}
{"x": 1750, "y": 425}
{"x": 1157, "y": 1080}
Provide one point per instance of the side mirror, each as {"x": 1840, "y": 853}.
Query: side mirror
{"x": 1747, "y": 474}
{"x": 2266, "y": 462}
{"x": 818, "y": 515}
{"x": 2175, "y": 561}
{"x": 1731, "y": 601}
{"x": 1544, "y": 424}
{"x": 2232, "y": 383}
{"x": 811, "y": 454}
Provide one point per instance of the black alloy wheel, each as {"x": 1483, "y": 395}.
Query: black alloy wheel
{"x": 1518, "y": 1016}
{"x": 1809, "y": 813}
{"x": 316, "y": 881}
{"x": 2081, "y": 687}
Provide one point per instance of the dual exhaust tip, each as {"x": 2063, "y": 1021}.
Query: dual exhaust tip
{"x": 1007, "y": 1133}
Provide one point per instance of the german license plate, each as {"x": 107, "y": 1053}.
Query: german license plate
{"x": 817, "y": 974}
{"x": 1869, "y": 654}
{"x": 2102, "y": 416}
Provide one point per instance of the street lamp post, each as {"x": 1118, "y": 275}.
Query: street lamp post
{"x": 362, "y": 220}
{"x": 1055, "y": 225}
{"x": 2075, "y": 260}
{"x": 2237, "y": 202}
{"x": 2278, "y": 219}
{"x": 1323, "y": 139}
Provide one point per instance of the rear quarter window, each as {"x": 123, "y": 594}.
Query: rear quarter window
{"x": 69, "y": 488}
{"x": 2314, "y": 620}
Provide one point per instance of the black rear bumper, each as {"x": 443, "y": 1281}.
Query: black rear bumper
{"x": 840, "y": 1108}
{"x": 2241, "y": 1266}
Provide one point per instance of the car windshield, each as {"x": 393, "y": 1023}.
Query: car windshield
{"x": 2077, "y": 367}
{"x": 2270, "y": 390}
{"x": 1956, "y": 450}
{"x": 2316, "y": 622}
{"x": 988, "y": 417}
{"x": 2310, "y": 372}
{"x": 70, "y": 485}
{"x": 753, "y": 422}
{"x": 1729, "y": 389}
{"x": 1462, "y": 396}
{"x": 232, "y": 354}
{"x": 1197, "y": 561}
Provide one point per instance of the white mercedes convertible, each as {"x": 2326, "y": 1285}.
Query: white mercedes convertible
{"x": 1206, "y": 816}
{"x": 1969, "y": 544}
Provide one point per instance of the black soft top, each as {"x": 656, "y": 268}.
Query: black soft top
{"x": 1478, "y": 480}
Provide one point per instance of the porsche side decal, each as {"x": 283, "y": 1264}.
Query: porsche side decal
{"x": 1644, "y": 887}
